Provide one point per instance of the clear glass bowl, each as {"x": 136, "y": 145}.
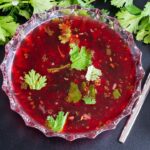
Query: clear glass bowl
{"x": 36, "y": 20}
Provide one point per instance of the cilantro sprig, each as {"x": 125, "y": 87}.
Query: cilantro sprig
{"x": 7, "y": 28}
{"x": 90, "y": 98}
{"x": 93, "y": 73}
{"x": 80, "y": 57}
{"x": 136, "y": 21}
{"x": 74, "y": 94}
{"x": 116, "y": 94}
{"x": 34, "y": 80}
{"x": 58, "y": 123}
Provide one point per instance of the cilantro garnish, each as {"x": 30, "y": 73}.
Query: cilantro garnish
{"x": 7, "y": 27}
{"x": 74, "y": 94}
{"x": 57, "y": 124}
{"x": 90, "y": 98}
{"x": 116, "y": 94}
{"x": 80, "y": 57}
{"x": 65, "y": 32}
{"x": 35, "y": 80}
{"x": 93, "y": 73}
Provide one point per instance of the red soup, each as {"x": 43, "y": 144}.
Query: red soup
{"x": 73, "y": 74}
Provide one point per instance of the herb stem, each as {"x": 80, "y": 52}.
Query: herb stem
{"x": 25, "y": 2}
{"x": 62, "y": 67}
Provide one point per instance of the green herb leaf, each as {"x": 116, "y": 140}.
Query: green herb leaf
{"x": 105, "y": 12}
{"x": 90, "y": 98}
{"x": 7, "y": 27}
{"x": 80, "y": 58}
{"x": 144, "y": 31}
{"x": 84, "y": 3}
{"x": 128, "y": 21}
{"x": 35, "y": 80}
{"x": 93, "y": 73}
{"x": 65, "y": 3}
{"x": 24, "y": 13}
{"x": 121, "y": 3}
{"x": 146, "y": 11}
{"x": 41, "y": 6}
{"x": 57, "y": 124}
{"x": 74, "y": 94}
{"x": 133, "y": 10}
{"x": 65, "y": 32}
{"x": 116, "y": 94}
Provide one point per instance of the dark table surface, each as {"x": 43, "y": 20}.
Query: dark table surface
{"x": 14, "y": 135}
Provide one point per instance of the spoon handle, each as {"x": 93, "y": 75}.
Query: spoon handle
{"x": 135, "y": 112}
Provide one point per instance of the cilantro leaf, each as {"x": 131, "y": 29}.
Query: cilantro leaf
{"x": 7, "y": 27}
{"x": 144, "y": 31}
{"x": 84, "y": 3}
{"x": 80, "y": 58}
{"x": 128, "y": 21}
{"x": 74, "y": 94}
{"x": 41, "y": 6}
{"x": 24, "y": 13}
{"x": 93, "y": 73}
{"x": 116, "y": 94}
{"x": 57, "y": 124}
{"x": 65, "y": 32}
{"x": 121, "y": 3}
{"x": 64, "y": 3}
{"x": 133, "y": 10}
{"x": 90, "y": 98}
{"x": 146, "y": 11}
{"x": 105, "y": 12}
{"x": 35, "y": 80}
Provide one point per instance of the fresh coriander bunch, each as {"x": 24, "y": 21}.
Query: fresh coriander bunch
{"x": 134, "y": 19}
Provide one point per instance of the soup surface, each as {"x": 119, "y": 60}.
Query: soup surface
{"x": 73, "y": 74}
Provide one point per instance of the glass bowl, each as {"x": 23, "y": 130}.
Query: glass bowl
{"x": 38, "y": 19}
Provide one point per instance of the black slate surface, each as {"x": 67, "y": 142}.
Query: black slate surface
{"x": 14, "y": 135}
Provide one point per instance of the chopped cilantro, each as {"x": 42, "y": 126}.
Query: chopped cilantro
{"x": 80, "y": 58}
{"x": 35, "y": 80}
{"x": 57, "y": 124}
{"x": 65, "y": 32}
{"x": 93, "y": 73}
{"x": 90, "y": 98}
{"x": 116, "y": 94}
{"x": 74, "y": 94}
